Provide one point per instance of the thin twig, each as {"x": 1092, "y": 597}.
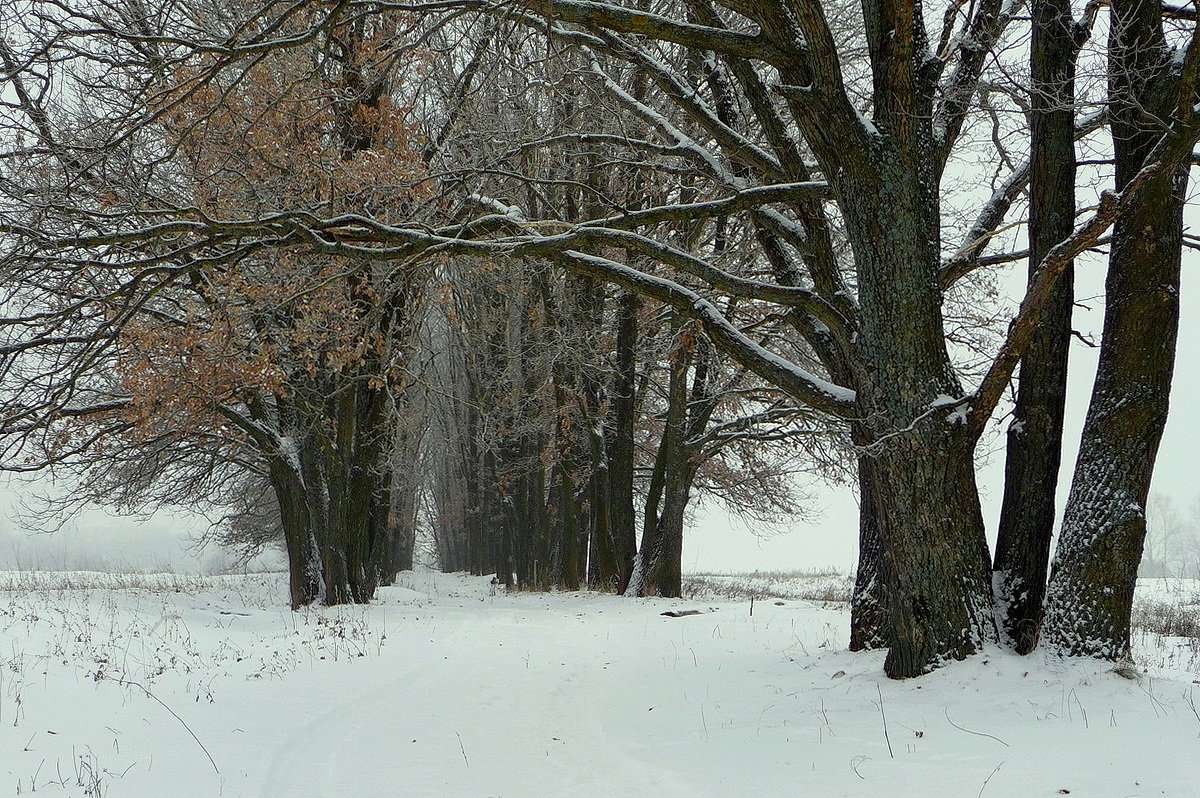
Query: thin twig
{"x": 969, "y": 731}
{"x": 882, "y": 715}
{"x": 1190, "y": 698}
{"x": 181, "y": 721}
{"x": 989, "y": 778}
{"x": 462, "y": 748}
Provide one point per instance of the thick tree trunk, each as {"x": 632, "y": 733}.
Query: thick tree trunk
{"x": 565, "y": 553}
{"x": 657, "y": 567}
{"x": 619, "y": 545}
{"x": 404, "y": 481}
{"x": 602, "y": 559}
{"x": 664, "y": 563}
{"x": 1090, "y": 596}
{"x": 332, "y": 484}
{"x": 356, "y": 490}
{"x": 935, "y": 559}
{"x": 622, "y": 448}
{"x": 1035, "y": 434}
{"x": 542, "y": 525}
{"x": 935, "y": 563}
{"x": 304, "y": 569}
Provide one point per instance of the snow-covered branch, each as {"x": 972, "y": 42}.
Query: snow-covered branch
{"x": 803, "y": 385}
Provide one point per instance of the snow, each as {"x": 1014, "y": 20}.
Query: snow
{"x": 136, "y": 685}
{"x": 512, "y": 212}
{"x": 289, "y": 449}
{"x": 667, "y": 128}
{"x": 867, "y": 125}
{"x": 720, "y": 327}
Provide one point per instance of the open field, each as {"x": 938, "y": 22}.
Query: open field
{"x": 165, "y": 685}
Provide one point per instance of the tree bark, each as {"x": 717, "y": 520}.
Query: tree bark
{"x": 304, "y": 569}
{"x": 935, "y": 561}
{"x": 935, "y": 564}
{"x": 1035, "y": 435}
{"x": 869, "y": 604}
{"x": 1090, "y": 595}
{"x": 401, "y": 532}
{"x": 662, "y": 544}
{"x": 620, "y": 545}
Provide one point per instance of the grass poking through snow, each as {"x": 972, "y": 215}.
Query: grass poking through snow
{"x": 824, "y": 586}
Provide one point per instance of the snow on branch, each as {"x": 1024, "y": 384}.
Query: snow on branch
{"x": 803, "y": 385}
{"x": 683, "y": 141}
{"x": 747, "y": 199}
{"x": 654, "y": 26}
{"x": 967, "y": 257}
{"x": 984, "y": 29}
{"x": 1182, "y": 11}
{"x": 734, "y": 144}
{"x": 790, "y": 296}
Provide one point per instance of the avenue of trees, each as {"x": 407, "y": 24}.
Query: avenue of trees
{"x": 536, "y": 275}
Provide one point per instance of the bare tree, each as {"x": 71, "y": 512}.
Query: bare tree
{"x": 269, "y": 361}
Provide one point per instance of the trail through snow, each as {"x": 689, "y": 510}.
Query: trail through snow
{"x": 440, "y": 689}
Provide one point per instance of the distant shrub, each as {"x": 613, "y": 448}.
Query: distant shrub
{"x": 1166, "y": 618}
{"x": 823, "y": 586}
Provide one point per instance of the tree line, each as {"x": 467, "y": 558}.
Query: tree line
{"x": 537, "y": 274}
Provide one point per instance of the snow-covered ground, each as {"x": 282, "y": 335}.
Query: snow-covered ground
{"x": 124, "y": 685}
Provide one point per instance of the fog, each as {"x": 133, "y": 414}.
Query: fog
{"x": 100, "y": 541}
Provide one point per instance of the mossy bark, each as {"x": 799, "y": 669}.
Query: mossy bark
{"x": 935, "y": 566}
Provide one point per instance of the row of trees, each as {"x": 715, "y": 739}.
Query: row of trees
{"x": 543, "y": 261}
{"x": 293, "y": 391}
{"x": 1172, "y": 548}
{"x": 586, "y": 414}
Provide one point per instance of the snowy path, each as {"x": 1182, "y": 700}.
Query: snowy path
{"x": 524, "y": 717}
{"x": 439, "y": 690}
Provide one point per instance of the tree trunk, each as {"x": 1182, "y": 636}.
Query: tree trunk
{"x": 1035, "y": 434}
{"x": 868, "y": 607}
{"x": 935, "y": 563}
{"x": 401, "y": 531}
{"x": 617, "y": 543}
{"x": 1104, "y": 528}
{"x": 304, "y": 569}
{"x": 664, "y": 562}
{"x": 655, "y": 574}
{"x": 621, "y": 447}
{"x": 1090, "y": 596}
